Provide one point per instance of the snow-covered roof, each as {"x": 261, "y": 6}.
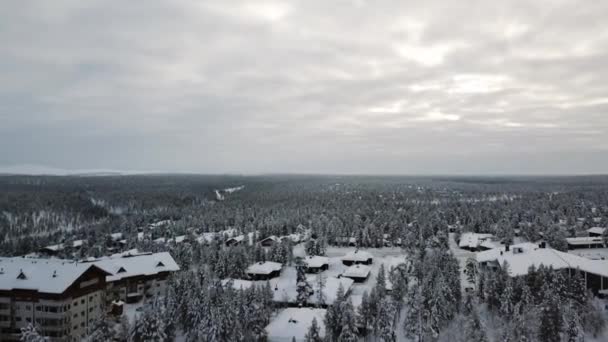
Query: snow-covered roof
{"x": 521, "y": 256}
{"x": 264, "y": 267}
{"x": 159, "y": 223}
{"x": 352, "y": 240}
{"x": 357, "y": 256}
{"x": 294, "y": 322}
{"x": 357, "y": 271}
{"x": 42, "y": 275}
{"x": 293, "y": 237}
{"x": 210, "y": 236}
{"x": 238, "y": 284}
{"x": 249, "y": 238}
{"x": 271, "y": 238}
{"x": 116, "y": 236}
{"x": 128, "y": 265}
{"x": 472, "y": 240}
{"x": 585, "y": 240}
{"x": 178, "y": 239}
{"x": 596, "y": 230}
{"x": 315, "y": 261}
{"x": 489, "y": 244}
{"x": 61, "y": 246}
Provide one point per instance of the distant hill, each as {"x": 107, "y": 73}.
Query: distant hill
{"x": 42, "y": 170}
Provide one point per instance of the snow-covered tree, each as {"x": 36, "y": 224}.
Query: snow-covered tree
{"x": 150, "y": 325}
{"x": 348, "y": 331}
{"x": 30, "y": 334}
{"x": 101, "y": 331}
{"x": 303, "y": 288}
{"x": 381, "y": 282}
{"x": 321, "y": 289}
{"x": 313, "y": 334}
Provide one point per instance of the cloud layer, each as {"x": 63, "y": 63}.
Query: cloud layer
{"x": 306, "y": 86}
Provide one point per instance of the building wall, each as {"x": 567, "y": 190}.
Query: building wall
{"x": 64, "y": 317}
{"x": 134, "y": 289}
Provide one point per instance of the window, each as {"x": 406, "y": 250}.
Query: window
{"x": 82, "y": 301}
{"x": 28, "y": 307}
{"x": 17, "y": 318}
{"x": 121, "y": 270}
{"x": 28, "y": 319}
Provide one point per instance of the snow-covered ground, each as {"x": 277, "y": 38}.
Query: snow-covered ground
{"x": 285, "y": 283}
{"x": 293, "y": 323}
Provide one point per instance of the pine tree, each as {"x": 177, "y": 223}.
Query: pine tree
{"x": 577, "y": 291}
{"x": 321, "y": 289}
{"x": 313, "y": 334}
{"x": 507, "y": 300}
{"x": 101, "y": 331}
{"x": 550, "y": 317}
{"x": 474, "y": 331}
{"x": 348, "y": 332}
{"x": 303, "y": 288}
{"x": 399, "y": 279}
{"x": 364, "y": 314}
{"x": 384, "y": 322}
{"x": 573, "y": 331}
{"x": 381, "y": 282}
{"x": 150, "y": 325}
{"x": 333, "y": 316}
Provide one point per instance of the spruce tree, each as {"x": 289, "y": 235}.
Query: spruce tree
{"x": 313, "y": 334}
{"x": 348, "y": 331}
{"x": 303, "y": 288}
{"x": 550, "y": 316}
{"x": 381, "y": 282}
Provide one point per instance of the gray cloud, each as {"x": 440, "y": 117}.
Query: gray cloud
{"x": 305, "y": 86}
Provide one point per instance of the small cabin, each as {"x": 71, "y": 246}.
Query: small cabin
{"x": 585, "y": 242}
{"x": 596, "y": 231}
{"x": 357, "y": 257}
{"x": 315, "y": 264}
{"x": 264, "y": 270}
{"x": 269, "y": 241}
{"x": 358, "y": 273}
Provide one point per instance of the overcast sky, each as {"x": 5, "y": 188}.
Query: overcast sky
{"x": 398, "y": 87}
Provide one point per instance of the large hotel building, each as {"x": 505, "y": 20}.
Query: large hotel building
{"x": 64, "y": 298}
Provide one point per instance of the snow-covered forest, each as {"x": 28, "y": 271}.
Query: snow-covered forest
{"x": 392, "y": 264}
